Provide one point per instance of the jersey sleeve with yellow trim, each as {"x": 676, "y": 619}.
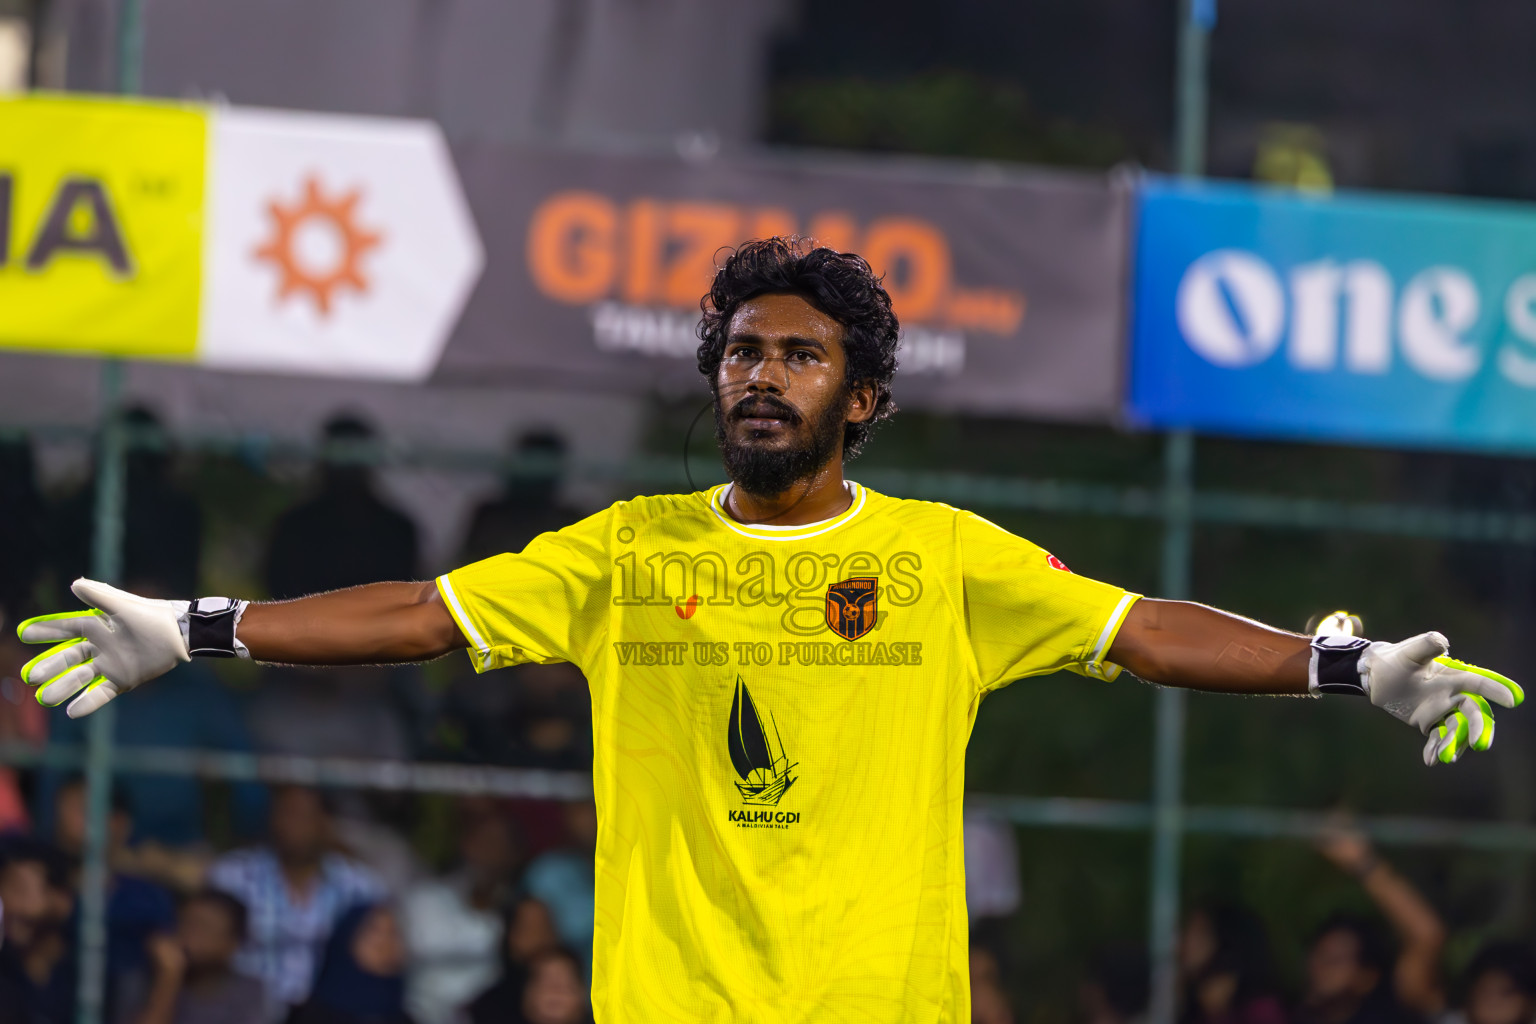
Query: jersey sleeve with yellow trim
{"x": 1027, "y": 614}
{"x": 548, "y": 603}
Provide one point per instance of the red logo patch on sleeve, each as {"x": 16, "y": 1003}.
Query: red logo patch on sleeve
{"x": 1056, "y": 563}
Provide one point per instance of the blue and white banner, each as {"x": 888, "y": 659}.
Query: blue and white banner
{"x": 1371, "y": 319}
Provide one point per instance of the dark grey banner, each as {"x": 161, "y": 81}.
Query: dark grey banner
{"x": 1009, "y": 286}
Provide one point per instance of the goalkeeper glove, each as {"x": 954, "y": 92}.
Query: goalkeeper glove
{"x": 122, "y": 640}
{"x": 1416, "y": 682}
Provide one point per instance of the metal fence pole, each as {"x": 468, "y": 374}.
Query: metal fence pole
{"x": 106, "y": 565}
{"x": 1196, "y": 19}
{"x": 1168, "y": 742}
{"x": 130, "y": 46}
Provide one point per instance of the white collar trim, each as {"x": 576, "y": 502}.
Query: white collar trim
{"x": 801, "y": 532}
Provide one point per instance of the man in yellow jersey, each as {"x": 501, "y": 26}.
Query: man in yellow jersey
{"x": 784, "y": 672}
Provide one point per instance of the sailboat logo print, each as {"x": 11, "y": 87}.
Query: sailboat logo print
{"x": 757, "y": 753}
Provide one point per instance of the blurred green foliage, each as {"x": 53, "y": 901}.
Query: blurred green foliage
{"x": 938, "y": 113}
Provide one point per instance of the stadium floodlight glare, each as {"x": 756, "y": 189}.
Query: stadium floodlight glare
{"x": 1338, "y": 623}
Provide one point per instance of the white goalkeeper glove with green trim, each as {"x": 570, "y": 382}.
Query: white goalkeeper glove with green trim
{"x": 1416, "y": 682}
{"x": 122, "y": 640}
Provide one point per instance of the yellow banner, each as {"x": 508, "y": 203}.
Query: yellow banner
{"x": 101, "y": 226}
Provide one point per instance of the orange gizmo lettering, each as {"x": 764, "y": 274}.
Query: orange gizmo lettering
{"x": 651, "y": 252}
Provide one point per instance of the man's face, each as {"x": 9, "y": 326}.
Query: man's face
{"x": 378, "y": 947}
{"x": 207, "y": 934}
{"x": 69, "y": 821}
{"x": 782, "y": 394}
{"x": 1334, "y": 970}
{"x": 554, "y": 994}
{"x": 488, "y": 848}
{"x": 300, "y": 826}
{"x": 1494, "y": 998}
{"x": 24, "y": 895}
{"x": 530, "y": 932}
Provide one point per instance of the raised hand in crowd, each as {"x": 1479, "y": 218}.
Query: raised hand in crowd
{"x": 168, "y": 968}
{"x": 1415, "y": 976}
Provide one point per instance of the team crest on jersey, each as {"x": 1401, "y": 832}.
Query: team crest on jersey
{"x": 851, "y": 606}
{"x": 757, "y": 754}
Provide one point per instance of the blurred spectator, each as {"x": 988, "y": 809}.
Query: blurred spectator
{"x": 529, "y": 503}
{"x": 1346, "y": 976}
{"x": 1499, "y": 986}
{"x": 344, "y": 712}
{"x": 192, "y": 979}
{"x": 349, "y": 712}
{"x": 162, "y": 524}
{"x": 1225, "y": 963}
{"x": 453, "y": 925}
{"x": 187, "y": 707}
{"x": 162, "y": 547}
{"x": 989, "y": 998}
{"x": 136, "y": 908}
{"x": 362, "y": 976}
{"x": 37, "y": 966}
{"x": 294, "y": 890}
{"x": 1412, "y": 981}
{"x": 1115, "y": 991}
{"x": 553, "y": 725}
{"x": 21, "y": 528}
{"x": 346, "y": 534}
{"x": 529, "y": 932}
{"x": 537, "y": 716}
{"x": 22, "y": 720}
{"x": 562, "y": 879}
{"x": 366, "y": 832}
{"x": 343, "y": 536}
{"x": 555, "y": 992}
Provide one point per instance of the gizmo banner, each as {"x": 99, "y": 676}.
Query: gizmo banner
{"x": 1009, "y": 285}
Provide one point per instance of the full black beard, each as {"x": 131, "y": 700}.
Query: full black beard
{"x": 766, "y": 472}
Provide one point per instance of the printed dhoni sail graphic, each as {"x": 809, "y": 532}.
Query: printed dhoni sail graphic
{"x": 761, "y": 762}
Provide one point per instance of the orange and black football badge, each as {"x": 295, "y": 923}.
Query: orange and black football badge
{"x": 851, "y": 606}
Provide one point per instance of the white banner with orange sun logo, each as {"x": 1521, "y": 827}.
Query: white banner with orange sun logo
{"x": 236, "y": 239}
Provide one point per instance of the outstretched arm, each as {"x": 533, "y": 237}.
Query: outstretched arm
{"x": 1178, "y": 643}
{"x": 123, "y": 640}
{"x": 375, "y": 624}
{"x": 1189, "y": 645}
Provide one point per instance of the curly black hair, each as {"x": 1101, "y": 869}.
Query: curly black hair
{"x": 840, "y": 284}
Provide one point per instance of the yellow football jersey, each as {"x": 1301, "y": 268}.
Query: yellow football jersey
{"x": 779, "y": 721}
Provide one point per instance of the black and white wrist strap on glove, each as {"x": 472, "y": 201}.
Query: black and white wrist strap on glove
{"x": 1335, "y": 665}
{"x": 208, "y": 627}
{"x": 1416, "y": 682}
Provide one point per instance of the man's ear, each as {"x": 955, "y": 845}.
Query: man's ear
{"x": 861, "y": 402}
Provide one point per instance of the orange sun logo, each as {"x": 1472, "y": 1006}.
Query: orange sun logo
{"x": 317, "y": 245}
